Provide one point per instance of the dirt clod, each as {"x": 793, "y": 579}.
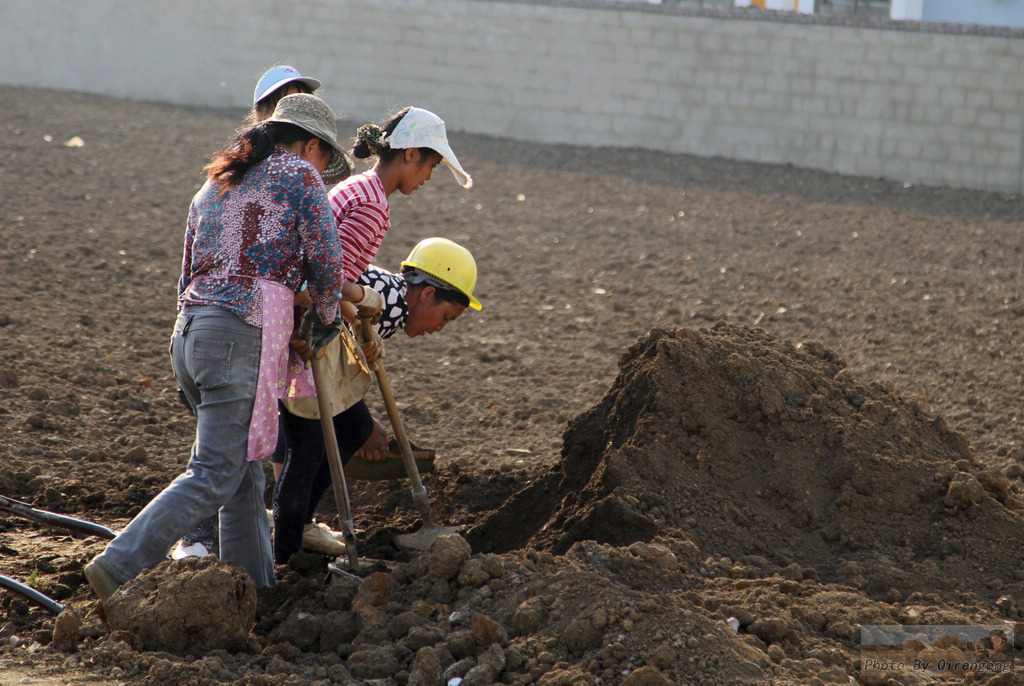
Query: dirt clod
{"x": 447, "y": 554}
{"x": 66, "y": 631}
{"x": 187, "y": 607}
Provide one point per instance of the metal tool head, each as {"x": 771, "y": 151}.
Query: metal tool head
{"x": 341, "y": 566}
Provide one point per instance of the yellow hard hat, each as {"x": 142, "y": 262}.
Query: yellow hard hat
{"x": 447, "y": 261}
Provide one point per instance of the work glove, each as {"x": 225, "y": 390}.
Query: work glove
{"x": 369, "y": 340}
{"x": 315, "y": 334}
{"x": 371, "y": 306}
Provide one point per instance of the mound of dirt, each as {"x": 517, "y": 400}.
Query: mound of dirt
{"x": 771, "y": 454}
{"x": 187, "y": 607}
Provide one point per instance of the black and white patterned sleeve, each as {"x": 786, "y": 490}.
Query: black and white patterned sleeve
{"x": 393, "y": 289}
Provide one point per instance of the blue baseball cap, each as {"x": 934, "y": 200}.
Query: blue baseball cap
{"x": 275, "y": 77}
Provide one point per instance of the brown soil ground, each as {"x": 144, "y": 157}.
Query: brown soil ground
{"x": 698, "y": 390}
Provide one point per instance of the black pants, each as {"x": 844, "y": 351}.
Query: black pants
{"x": 306, "y": 474}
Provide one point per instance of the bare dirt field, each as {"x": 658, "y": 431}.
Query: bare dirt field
{"x": 714, "y": 419}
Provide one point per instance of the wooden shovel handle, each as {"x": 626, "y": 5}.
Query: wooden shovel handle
{"x": 418, "y": 491}
{"x": 334, "y": 461}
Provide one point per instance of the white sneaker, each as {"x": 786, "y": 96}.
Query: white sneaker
{"x": 182, "y": 551}
{"x": 319, "y": 538}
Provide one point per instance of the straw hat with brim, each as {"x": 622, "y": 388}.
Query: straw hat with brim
{"x": 423, "y": 129}
{"x": 315, "y": 116}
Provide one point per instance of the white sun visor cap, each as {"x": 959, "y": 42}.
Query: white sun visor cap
{"x": 275, "y": 77}
{"x": 424, "y": 129}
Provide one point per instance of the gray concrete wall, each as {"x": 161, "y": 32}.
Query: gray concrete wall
{"x": 921, "y": 103}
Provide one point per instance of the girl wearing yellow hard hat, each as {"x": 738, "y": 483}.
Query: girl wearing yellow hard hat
{"x": 433, "y": 289}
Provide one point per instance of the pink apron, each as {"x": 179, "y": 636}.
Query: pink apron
{"x": 282, "y": 374}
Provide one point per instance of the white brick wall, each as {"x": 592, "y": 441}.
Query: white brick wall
{"x": 923, "y": 106}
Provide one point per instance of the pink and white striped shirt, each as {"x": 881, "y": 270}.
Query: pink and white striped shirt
{"x": 363, "y": 215}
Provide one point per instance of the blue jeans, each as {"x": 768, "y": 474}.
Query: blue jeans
{"x": 216, "y": 359}
{"x": 205, "y": 532}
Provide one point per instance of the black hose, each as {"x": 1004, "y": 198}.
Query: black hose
{"x": 43, "y": 601}
{"x": 46, "y": 517}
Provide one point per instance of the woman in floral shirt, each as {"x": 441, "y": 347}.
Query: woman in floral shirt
{"x": 258, "y": 228}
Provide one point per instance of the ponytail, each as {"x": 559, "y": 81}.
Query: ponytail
{"x": 252, "y": 145}
{"x": 370, "y": 137}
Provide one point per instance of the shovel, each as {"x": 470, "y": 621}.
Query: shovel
{"x": 348, "y": 528}
{"x": 428, "y": 532}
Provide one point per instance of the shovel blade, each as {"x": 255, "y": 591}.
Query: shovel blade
{"x": 425, "y": 537}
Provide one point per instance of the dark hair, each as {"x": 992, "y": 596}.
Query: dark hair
{"x": 369, "y": 137}
{"x": 450, "y": 295}
{"x": 252, "y": 145}
{"x": 268, "y": 103}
